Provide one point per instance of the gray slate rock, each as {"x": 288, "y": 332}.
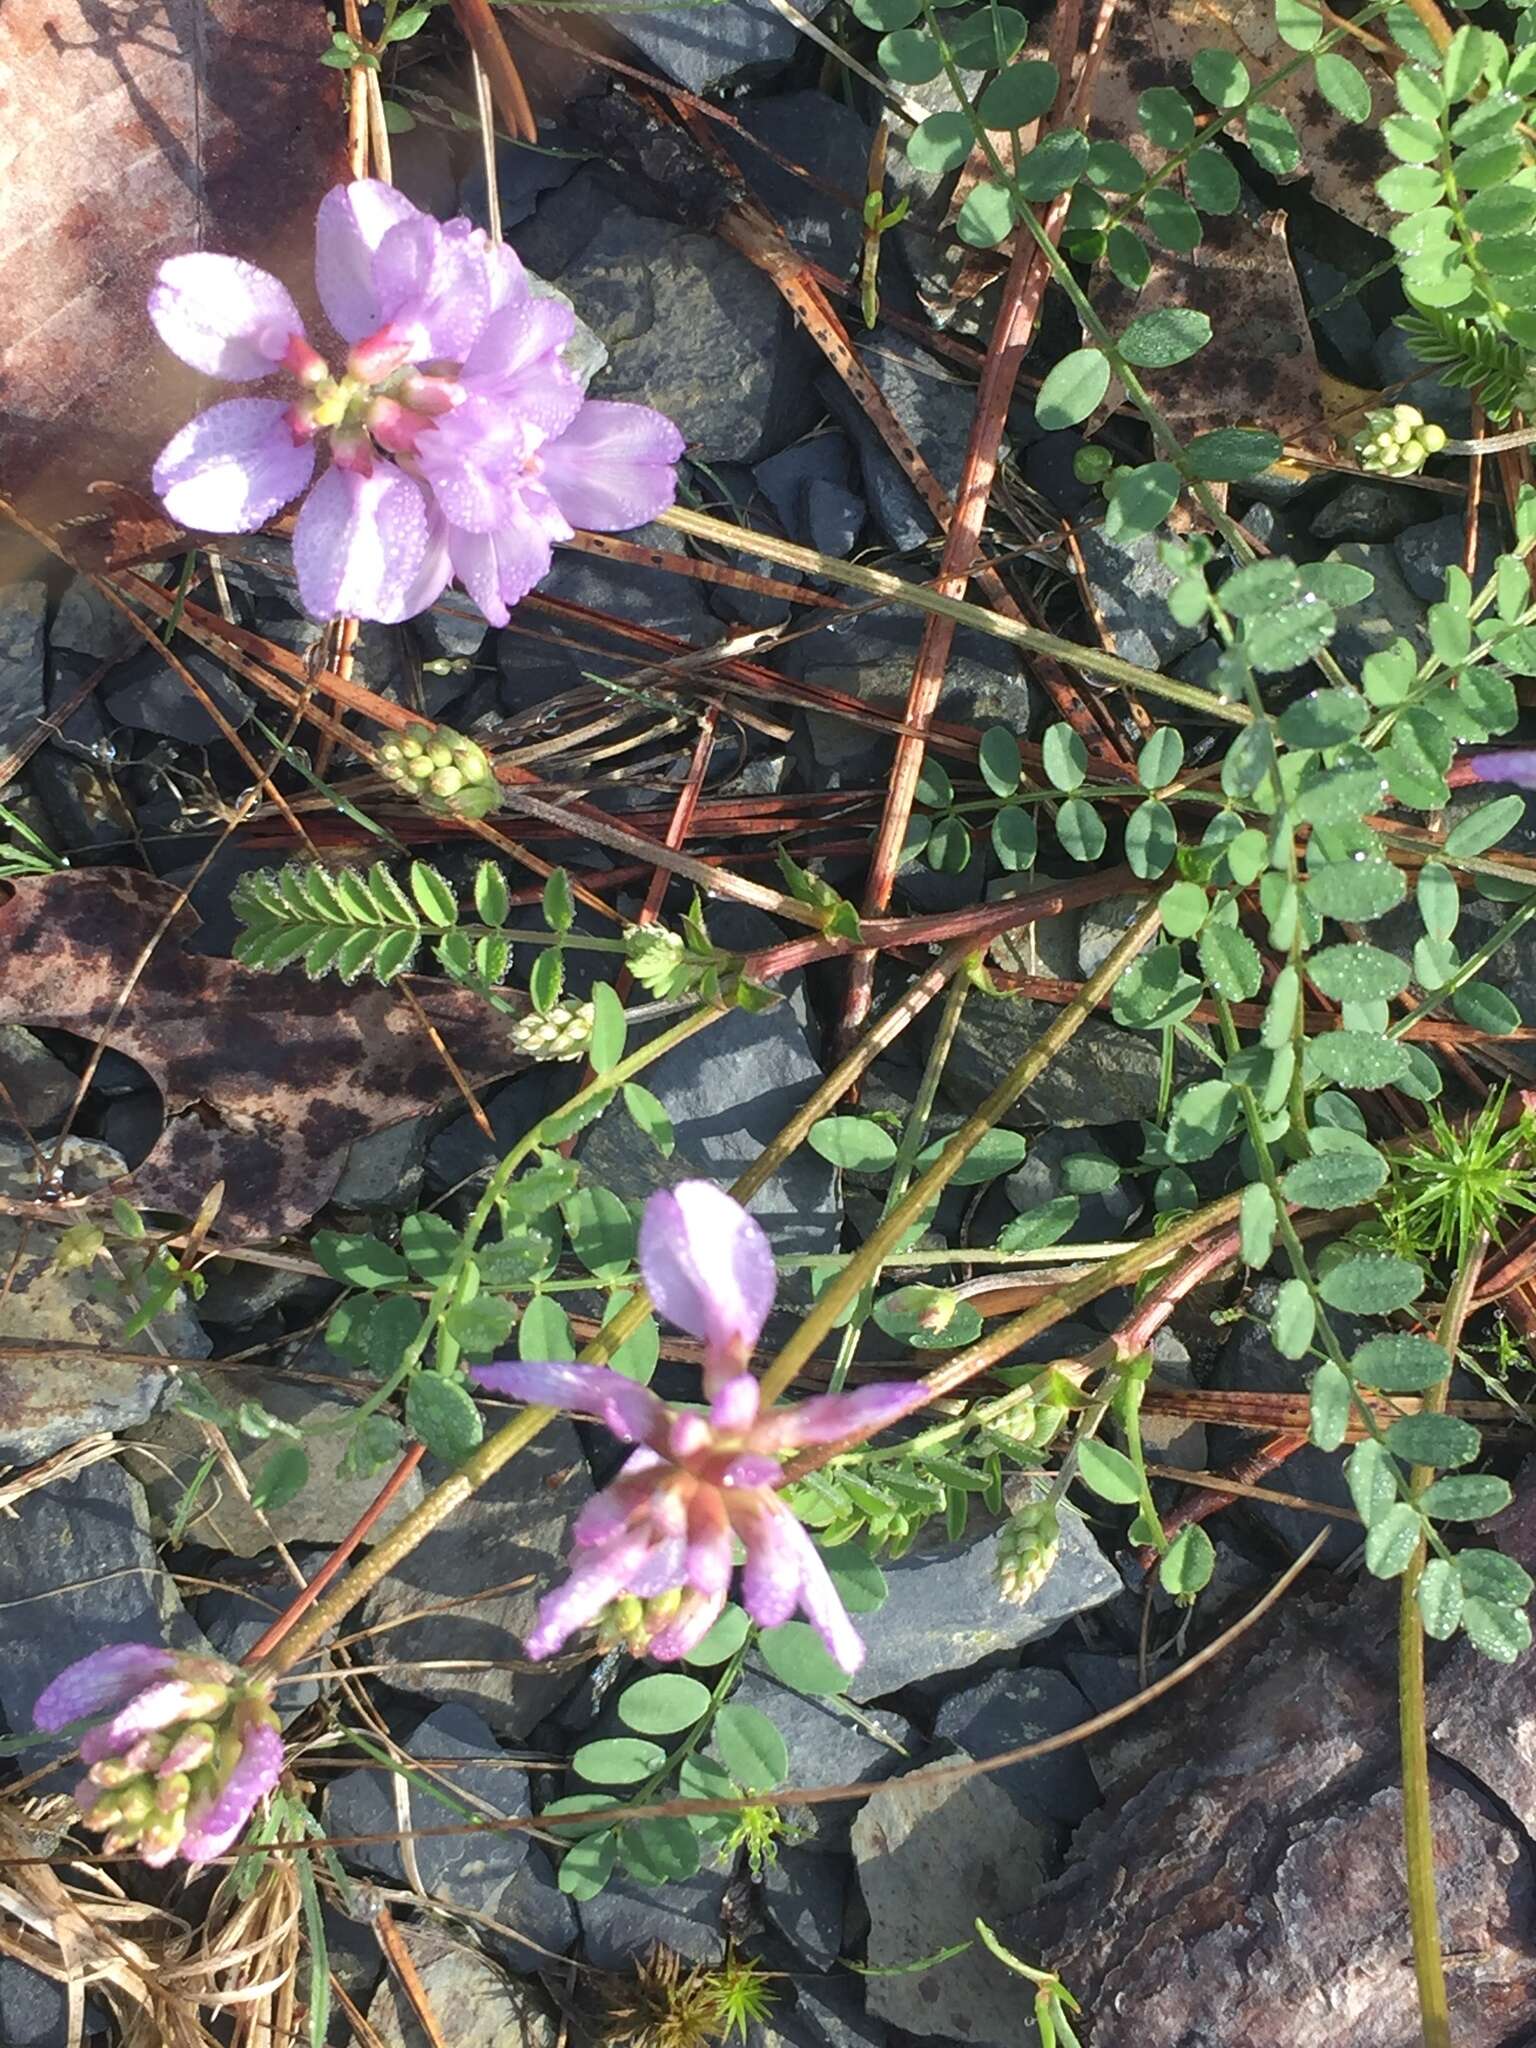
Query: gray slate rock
{"x": 512, "y": 1533}
{"x": 1345, "y": 325}
{"x": 946, "y": 1612}
{"x": 1130, "y": 586}
{"x": 728, "y": 1093}
{"x": 1426, "y": 551}
{"x": 38, "y": 1087}
{"x": 383, "y": 1170}
{"x": 88, "y": 623}
{"x": 482, "y": 2007}
{"x": 933, "y": 404}
{"x": 787, "y": 479}
{"x": 829, "y": 140}
{"x": 804, "y": 1894}
{"x": 1395, "y": 361}
{"x": 933, "y": 1858}
{"x": 1048, "y": 470}
{"x": 1014, "y": 1707}
{"x": 702, "y": 47}
{"x": 480, "y": 1872}
{"x": 34, "y": 2010}
{"x": 78, "y": 1571}
{"x": 23, "y": 699}
{"x": 834, "y": 516}
{"x": 51, "y": 1400}
{"x": 626, "y": 1919}
{"x": 1367, "y": 509}
{"x": 1106, "y": 1075}
{"x": 148, "y": 695}
{"x": 691, "y": 328}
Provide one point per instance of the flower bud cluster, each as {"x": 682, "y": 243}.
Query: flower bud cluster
{"x": 1026, "y": 1550}
{"x": 562, "y": 1032}
{"x": 447, "y": 773}
{"x": 1397, "y": 440}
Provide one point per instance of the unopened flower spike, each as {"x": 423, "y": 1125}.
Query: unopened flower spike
{"x": 1397, "y": 440}
{"x": 654, "y": 1551}
{"x": 181, "y": 1750}
{"x": 447, "y": 773}
{"x": 460, "y": 444}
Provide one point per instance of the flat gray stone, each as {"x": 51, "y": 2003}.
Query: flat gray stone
{"x": 1130, "y": 586}
{"x": 828, "y": 1745}
{"x": 38, "y": 1087}
{"x": 933, "y": 1858}
{"x": 946, "y": 1611}
{"x": 1104, "y": 1075}
{"x": 626, "y": 1920}
{"x": 23, "y": 699}
{"x": 78, "y": 1571}
{"x": 54, "y": 1399}
{"x": 702, "y": 47}
{"x": 477, "y": 2004}
{"x": 384, "y": 1169}
{"x": 1390, "y": 612}
{"x": 1014, "y": 1707}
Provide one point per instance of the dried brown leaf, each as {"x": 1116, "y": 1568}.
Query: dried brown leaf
{"x": 1259, "y": 369}
{"x": 267, "y": 1079}
{"x": 131, "y": 130}
{"x": 1156, "y": 45}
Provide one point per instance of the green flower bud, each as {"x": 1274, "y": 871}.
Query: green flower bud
{"x": 1091, "y": 465}
{"x": 562, "y": 1033}
{"x": 446, "y": 782}
{"x": 1026, "y": 1550}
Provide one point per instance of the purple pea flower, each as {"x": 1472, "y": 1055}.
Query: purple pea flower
{"x": 655, "y": 1550}
{"x": 181, "y": 1751}
{"x": 1516, "y": 765}
{"x": 460, "y": 443}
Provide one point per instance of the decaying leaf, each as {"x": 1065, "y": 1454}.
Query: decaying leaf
{"x": 1259, "y": 369}
{"x": 131, "y": 130}
{"x": 266, "y": 1078}
{"x": 1156, "y": 45}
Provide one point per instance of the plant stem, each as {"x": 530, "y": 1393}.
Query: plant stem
{"x": 893, "y": 1226}
{"x": 1413, "y": 1736}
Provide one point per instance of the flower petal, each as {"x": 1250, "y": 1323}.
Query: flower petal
{"x": 687, "y": 1628}
{"x": 710, "y": 1561}
{"x": 823, "y": 1607}
{"x": 770, "y": 1579}
{"x": 474, "y": 460}
{"x": 499, "y": 569}
{"x": 100, "y": 1683}
{"x": 224, "y": 317}
{"x": 360, "y": 544}
{"x": 353, "y": 220}
{"x": 232, "y": 467}
{"x": 829, "y": 1418}
{"x": 516, "y": 361}
{"x": 151, "y": 1708}
{"x": 631, "y": 1412}
{"x": 436, "y": 282}
{"x": 211, "y": 1830}
{"x": 1516, "y": 765}
{"x": 709, "y": 1269}
{"x": 734, "y": 1407}
{"x": 592, "y": 1584}
{"x": 612, "y": 467}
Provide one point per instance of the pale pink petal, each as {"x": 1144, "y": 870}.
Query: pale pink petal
{"x": 630, "y": 1411}
{"x": 435, "y": 282}
{"x": 710, "y": 1561}
{"x": 1516, "y": 765}
{"x": 476, "y": 462}
{"x": 596, "y": 1581}
{"x": 499, "y": 569}
{"x": 232, "y": 467}
{"x": 612, "y": 467}
{"x": 360, "y": 543}
{"x": 770, "y": 1579}
{"x": 753, "y": 1468}
{"x": 352, "y": 222}
{"x": 687, "y": 1628}
{"x": 830, "y": 1418}
{"x": 517, "y": 362}
{"x": 663, "y": 1568}
{"x": 224, "y": 317}
{"x": 155, "y": 1707}
{"x": 602, "y": 1517}
{"x": 709, "y": 1269}
{"x": 735, "y": 1404}
{"x": 100, "y": 1683}
{"x": 823, "y": 1608}
{"x": 212, "y": 1828}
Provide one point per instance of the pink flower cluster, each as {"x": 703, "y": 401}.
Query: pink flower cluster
{"x": 656, "y": 1549}
{"x": 460, "y": 443}
{"x": 182, "y": 1750}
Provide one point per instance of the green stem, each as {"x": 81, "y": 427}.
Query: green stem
{"x": 1413, "y": 1736}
